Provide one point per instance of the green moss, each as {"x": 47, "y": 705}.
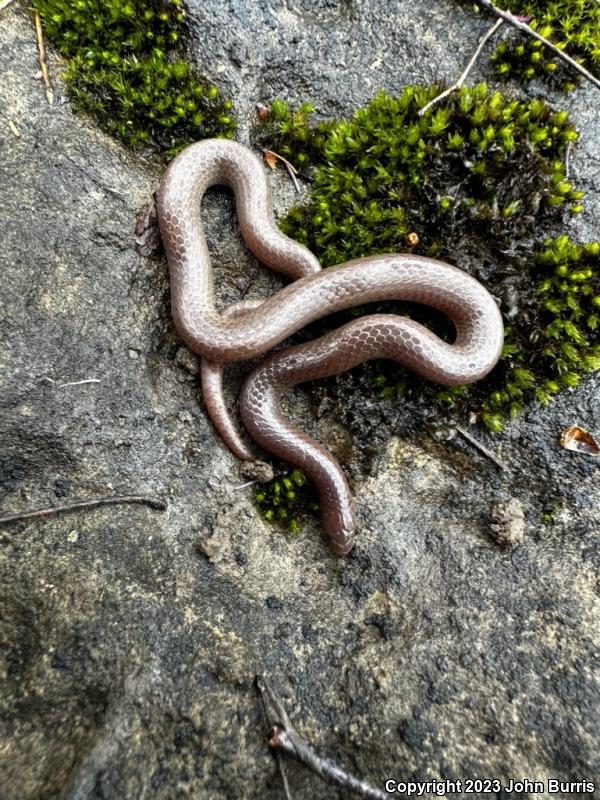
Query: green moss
{"x": 572, "y": 25}
{"x": 560, "y": 342}
{"x": 286, "y": 498}
{"x": 126, "y": 69}
{"x": 476, "y": 178}
{"x": 481, "y": 164}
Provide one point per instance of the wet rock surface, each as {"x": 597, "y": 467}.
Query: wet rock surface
{"x": 132, "y": 636}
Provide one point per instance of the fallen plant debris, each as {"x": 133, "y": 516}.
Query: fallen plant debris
{"x": 553, "y": 14}
{"x": 465, "y": 74}
{"x": 262, "y": 111}
{"x": 579, "y": 441}
{"x": 42, "y": 51}
{"x": 84, "y": 382}
{"x": 156, "y": 503}
{"x": 283, "y": 738}
{"x": 481, "y": 447}
{"x": 264, "y": 702}
{"x": 271, "y": 159}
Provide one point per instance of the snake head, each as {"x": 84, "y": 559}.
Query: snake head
{"x": 342, "y": 545}
{"x": 340, "y": 527}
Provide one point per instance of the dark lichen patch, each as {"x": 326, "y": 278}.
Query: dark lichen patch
{"x": 126, "y": 69}
{"x": 572, "y": 25}
{"x": 286, "y": 499}
{"x": 476, "y": 179}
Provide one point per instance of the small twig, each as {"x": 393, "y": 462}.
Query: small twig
{"x": 79, "y": 383}
{"x": 290, "y": 167}
{"x": 245, "y": 485}
{"x": 455, "y": 86}
{"x": 276, "y": 753}
{"x": 283, "y": 737}
{"x": 256, "y": 480}
{"x": 42, "y": 48}
{"x": 153, "y": 502}
{"x": 521, "y": 25}
{"x": 568, "y": 159}
{"x": 14, "y": 129}
{"x": 481, "y": 447}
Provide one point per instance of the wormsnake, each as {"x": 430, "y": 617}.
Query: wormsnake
{"x": 251, "y": 328}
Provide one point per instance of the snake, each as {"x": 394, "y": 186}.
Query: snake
{"x": 252, "y": 328}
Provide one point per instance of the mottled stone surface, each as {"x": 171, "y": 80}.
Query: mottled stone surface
{"x": 132, "y": 636}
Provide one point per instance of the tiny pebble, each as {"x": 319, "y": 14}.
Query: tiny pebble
{"x": 507, "y": 525}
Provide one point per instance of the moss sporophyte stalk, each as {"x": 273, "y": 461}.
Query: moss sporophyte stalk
{"x": 126, "y": 69}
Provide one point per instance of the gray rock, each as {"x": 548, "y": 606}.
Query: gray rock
{"x": 133, "y": 636}
{"x": 188, "y": 361}
{"x": 260, "y": 471}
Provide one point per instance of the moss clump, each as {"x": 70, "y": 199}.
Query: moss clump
{"x": 572, "y": 25}
{"x": 476, "y": 179}
{"x": 560, "y": 342}
{"x": 286, "y": 498}
{"x": 481, "y": 164}
{"x": 126, "y": 69}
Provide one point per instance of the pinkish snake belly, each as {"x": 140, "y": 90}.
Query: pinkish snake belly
{"x": 252, "y": 328}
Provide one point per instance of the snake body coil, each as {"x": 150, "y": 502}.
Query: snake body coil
{"x": 252, "y": 328}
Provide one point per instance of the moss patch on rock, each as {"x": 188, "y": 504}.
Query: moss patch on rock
{"x": 572, "y": 25}
{"x": 473, "y": 181}
{"x": 558, "y": 342}
{"x": 126, "y": 69}
{"x": 286, "y": 498}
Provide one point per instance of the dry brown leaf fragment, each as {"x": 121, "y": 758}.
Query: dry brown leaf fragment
{"x": 262, "y": 111}
{"x": 271, "y": 158}
{"x": 579, "y": 440}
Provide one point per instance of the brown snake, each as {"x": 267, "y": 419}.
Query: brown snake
{"x": 251, "y": 328}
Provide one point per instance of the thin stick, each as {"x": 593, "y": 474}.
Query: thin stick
{"x": 256, "y": 480}
{"x": 518, "y": 23}
{"x": 283, "y": 737}
{"x": 290, "y": 167}
{"x": 455, "y": 86}
{"x": 482, "y": 448}
{"x": 153, "y": 502}
{"x": 567, "y": 159}
{"x": 276, "y": 753}
{"x": 245, "y": 485}
{"x": 43, "y": 65}
{"x": 14, "y": 129}
{"x": 79, "y": 383}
